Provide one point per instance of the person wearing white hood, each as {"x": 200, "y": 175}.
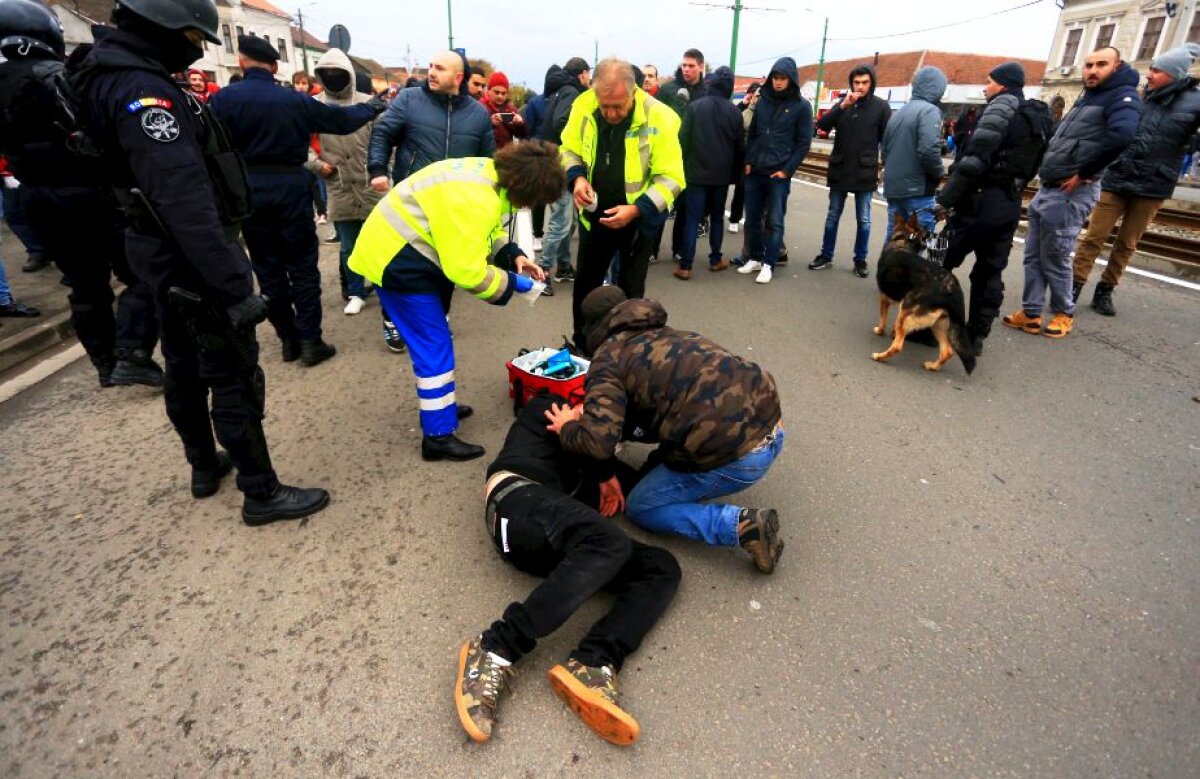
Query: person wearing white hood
{"x": 342, "y": 163}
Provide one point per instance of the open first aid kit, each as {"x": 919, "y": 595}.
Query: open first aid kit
{"x": 555, "y": 370}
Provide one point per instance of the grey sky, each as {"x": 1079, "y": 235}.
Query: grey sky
{"x": 527, "y": 36}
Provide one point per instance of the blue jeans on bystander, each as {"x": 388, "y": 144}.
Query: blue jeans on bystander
{"x": 862, "y": 218}
{"x": 765, "y": 197}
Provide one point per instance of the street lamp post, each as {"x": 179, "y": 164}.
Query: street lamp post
{"x": 821, "y": 70}
{"x": 450, "y": 23}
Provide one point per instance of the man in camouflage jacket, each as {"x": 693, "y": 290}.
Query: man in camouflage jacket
{"x": 715, "y": 416}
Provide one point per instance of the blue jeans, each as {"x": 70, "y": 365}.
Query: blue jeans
{"x": 862, "y": 216}
{"x": 703, "y": 201}
{"x": 765, "y": 197}
{"x": 667, "y": 501}
{"x": 347, "y": 232}
{"x": 904, "y": 207}
{"x": 5, "y": 290}
{"x": 556, "y": 247}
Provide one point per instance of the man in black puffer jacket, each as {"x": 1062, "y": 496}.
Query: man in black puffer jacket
{"x": 858, "y": 121}
{"x": 1145, "y": 174}
{"x": 713, "y": 146}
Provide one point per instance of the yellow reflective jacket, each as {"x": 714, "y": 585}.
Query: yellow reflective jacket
{"x": 653, "y": 158}
{"x": 451, "y": 212}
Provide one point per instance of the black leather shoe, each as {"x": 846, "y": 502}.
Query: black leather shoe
{"x": 464, "y": 411}
{"x": 860, "y": 270}
{"x": 104, "y": 372}
{"x": 286, "y": 503}
{"x": 136, "y": 367}
{"x": 206, "y": 482}
{"x": 291, "y": 350}
{"x": 15, "y": 309}
{"x": 448, "y": 447}
{"x": 315, "y": 352}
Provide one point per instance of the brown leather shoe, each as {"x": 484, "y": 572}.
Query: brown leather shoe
{"x": 683, "y": 274}
{"x": 720, "y": 266}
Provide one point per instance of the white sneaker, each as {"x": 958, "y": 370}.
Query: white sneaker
{"x": 751, "y": 266}
{"x": 537, "y": 244}
{"x": 764, "y": 275}
{"x": 734, "y": 227}
{"x": 354, "y": 306}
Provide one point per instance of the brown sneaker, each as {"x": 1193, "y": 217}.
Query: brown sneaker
{"x": 1022, "y": 321}
{"x": 683, "y": 274}
{"x": 723, "y": 264}
{"x": 478, "y": 687}
{"x": 592, "y": 695}
{"x": 1059, "y": 326}
{"x": 758, "y": 533}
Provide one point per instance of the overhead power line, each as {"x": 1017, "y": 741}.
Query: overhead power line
{"x": 940, "y": 26}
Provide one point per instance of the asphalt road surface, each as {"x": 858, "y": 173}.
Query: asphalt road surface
{"x": 992, "y": 575}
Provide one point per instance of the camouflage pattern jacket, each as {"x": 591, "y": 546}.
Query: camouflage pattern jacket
{"x": 653, "y": 384}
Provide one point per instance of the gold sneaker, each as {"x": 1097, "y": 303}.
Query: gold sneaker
{"x": 592, "y": 695}
{"x": 480, "y": 681}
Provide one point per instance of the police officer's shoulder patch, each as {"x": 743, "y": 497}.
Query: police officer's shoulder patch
{"x": 160, "y": 124}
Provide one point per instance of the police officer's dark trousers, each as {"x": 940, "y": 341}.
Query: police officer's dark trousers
{"x": 598, "y": 245}
{"x": 282, "y": 239}
{"x": 194, "y": 376}
{"x": 545, "y": 533}
{"x": 986, "y": 227}
{"x": 82, "y": 234}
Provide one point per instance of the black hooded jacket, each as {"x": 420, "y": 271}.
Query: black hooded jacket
{"x": 854, "y": 163}
{"x": 712, "y": 136}
{"x": 561, "y": 88}
{"x": 782, "y": 129}
{"x": 677, "y": 93}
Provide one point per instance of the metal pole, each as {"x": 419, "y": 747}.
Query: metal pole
{"x": 737, "y": 16}
{"x": 303, "y": 42}
{"x": 596, "y": 54}
{"x": 450, "y": 23}
{"x": 821, "y": 69}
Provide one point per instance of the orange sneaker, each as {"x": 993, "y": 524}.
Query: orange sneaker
{"x": 1022, "y": 321}
{"x": 592, "y": 695}
{"x": 1059, "y": 326}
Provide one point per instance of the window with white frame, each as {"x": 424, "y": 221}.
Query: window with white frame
{"x": 1150, "y": 36}
{"x": 283, "y": 55}
{"x": 1104, "y": 35}
{"x": 1194, "y": 30}
{"x": 1071, "y": 47}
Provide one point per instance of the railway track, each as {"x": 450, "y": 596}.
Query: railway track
{"x": 1174, "y": 247}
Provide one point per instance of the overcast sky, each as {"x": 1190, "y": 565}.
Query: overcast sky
{"x": 533, "y": 34}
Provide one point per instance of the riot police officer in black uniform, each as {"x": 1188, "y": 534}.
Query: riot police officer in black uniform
{"x": 271, "y": 128}
{"x": 68, "y": 202}
{"x": 184, "y": 190}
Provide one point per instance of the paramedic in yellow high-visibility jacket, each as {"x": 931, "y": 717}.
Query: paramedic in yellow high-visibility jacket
{"x": 620, "y": 149}
{"x": 444, "y": 227}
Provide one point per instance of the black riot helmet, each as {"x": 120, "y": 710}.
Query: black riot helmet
{"x": 29, "y": 29}
{"x": 177, "y": 15}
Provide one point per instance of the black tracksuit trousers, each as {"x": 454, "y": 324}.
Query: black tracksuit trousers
{"x": 545, "y": 533}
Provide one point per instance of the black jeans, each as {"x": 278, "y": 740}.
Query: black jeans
{"x": 737, "y": 209}
{"x": 597, "y": 248}
{"x": 545, "y": 533}
{"x": 987, "y": 229}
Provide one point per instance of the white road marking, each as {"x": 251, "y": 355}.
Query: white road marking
{"x": 42, "y": 370}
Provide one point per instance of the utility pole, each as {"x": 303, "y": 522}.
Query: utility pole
{"x": 596, "y": 55}
{"x": 820, "y": 70}
{"x": 450, "y": 23}
{"x": 303, "y": 40}
{"x": 737, "y": 9}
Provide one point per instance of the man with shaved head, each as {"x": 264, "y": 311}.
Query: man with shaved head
{"x": 417, "y": 128}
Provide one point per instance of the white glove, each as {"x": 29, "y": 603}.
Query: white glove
{"x": 11, "y": 182}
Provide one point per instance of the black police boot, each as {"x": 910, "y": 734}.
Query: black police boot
{"x": 285, "y": 503}
{"x": 464, "y": 411}
{"x": 315, "y": 352}
{"x": 291, "y": 349}
{"x": 1077, "y": 290}
{"x": 136, "y": 366}
{"x": 978, "y": 331}
{"x": 104, "y": 371}
{"x": 448, "y": 447}
{"x": 206, "y": 481}
{"x": 1102, "y": 300}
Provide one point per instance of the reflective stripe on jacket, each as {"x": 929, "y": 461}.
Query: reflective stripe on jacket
{"x": 451, "y": 212}
{"x": 653, "y": 158}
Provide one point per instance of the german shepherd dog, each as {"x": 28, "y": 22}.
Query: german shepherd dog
{"x": 928, "y": 296}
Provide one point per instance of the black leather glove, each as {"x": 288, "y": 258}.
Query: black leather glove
{"x": 248, "y": 313}
{"x": 378, "y": 104}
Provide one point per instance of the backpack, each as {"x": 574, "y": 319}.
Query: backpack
{"x": 39, "y": 124}
{"x": 1029, "y": 134}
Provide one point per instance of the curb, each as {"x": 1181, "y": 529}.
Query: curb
{"x": 33, "y": 341}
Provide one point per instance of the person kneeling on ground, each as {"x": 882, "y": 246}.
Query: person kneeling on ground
{"x": 438, "y": 229}
{"x": 715, "y": 416}
{"x": 536, "y": 517}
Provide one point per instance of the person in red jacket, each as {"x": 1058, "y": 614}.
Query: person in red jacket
{"x": 506, "y": 122}
{"x": 198, "y": 84}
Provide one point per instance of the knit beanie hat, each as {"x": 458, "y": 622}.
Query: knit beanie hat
{"x": 1176, "y": 62}
{"x": 497, "y": 79}
{"x": 1009, "y": 74}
